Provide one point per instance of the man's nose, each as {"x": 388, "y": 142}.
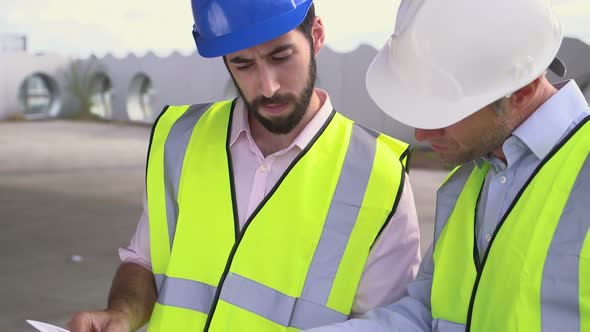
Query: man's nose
{"x": 269, "y": 84}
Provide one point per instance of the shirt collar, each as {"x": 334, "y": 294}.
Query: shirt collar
{"x": 241, "y": 128}
{"x": 553, "y": 118}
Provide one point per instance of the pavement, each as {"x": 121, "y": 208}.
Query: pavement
{"x": 70, "y": 195}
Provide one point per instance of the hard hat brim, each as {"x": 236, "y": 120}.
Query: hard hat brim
{"x": 425, "y": 110}
{"x": 252, "y": 35}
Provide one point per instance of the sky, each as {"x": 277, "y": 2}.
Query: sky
{"x": 83, "y": 27}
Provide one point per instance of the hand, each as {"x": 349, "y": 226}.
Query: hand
{"x": 99, "y": 321}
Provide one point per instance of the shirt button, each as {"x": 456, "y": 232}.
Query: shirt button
{"x": 503, "y": 179}
{"x": 264, "y": 168}
{"x": 488, "y": 237}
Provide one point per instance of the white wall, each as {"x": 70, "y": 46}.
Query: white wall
{"x": 190, "y": 79}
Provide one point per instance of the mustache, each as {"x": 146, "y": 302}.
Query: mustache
{"x": 276, "y": 99}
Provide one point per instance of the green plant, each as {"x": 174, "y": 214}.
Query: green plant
{"x": 79, "y": 77}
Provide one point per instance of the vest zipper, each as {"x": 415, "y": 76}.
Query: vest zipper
{"x": 240, "y": 235}
{"x": 479, "y": 264}
{"x": 224, "y": 275}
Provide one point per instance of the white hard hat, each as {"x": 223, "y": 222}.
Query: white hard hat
{"x": 448, "y": 59}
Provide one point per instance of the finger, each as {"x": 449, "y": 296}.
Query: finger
{"x": 116, "y": 326}
{"x": 81, "y": 322}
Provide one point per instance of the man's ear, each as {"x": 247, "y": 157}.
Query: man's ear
{"x": 318, "y": 35}
{"x": 524, "y": 95}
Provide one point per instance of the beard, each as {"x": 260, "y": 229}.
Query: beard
{"x": 485, "y": 143}
{"x": 283, "y": 124}
{"x": 482, "y": 147}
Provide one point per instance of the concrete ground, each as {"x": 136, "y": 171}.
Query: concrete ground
{"x": 70, "y": 195}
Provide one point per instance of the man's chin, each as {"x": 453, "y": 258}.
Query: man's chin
{"x": 278, "y": 128}
{"x": 281, "y": 125}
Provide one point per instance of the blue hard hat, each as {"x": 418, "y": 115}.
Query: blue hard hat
{"x": 226, "y": 26}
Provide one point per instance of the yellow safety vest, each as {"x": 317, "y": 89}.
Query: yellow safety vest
{"x": 297, "y": 262}
{"x": 534, "y": 275}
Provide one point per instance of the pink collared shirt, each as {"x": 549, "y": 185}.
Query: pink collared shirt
{"x": 394, "y": 259}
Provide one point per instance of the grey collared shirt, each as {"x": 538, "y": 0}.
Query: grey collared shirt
{"x": 529, "y": 144}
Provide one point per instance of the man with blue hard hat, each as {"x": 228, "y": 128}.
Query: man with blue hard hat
{"x": 271, "y": 212}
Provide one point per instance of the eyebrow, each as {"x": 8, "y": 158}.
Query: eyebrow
{"x": 278, "y": 49}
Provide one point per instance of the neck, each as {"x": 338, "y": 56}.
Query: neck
{"x": 544, "y": 93}
{"x": 269, "y": 142}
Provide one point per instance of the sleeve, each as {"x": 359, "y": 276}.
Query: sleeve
{"x": 394, "y": 259}
{"x": 410, "y": 314}
{"x": 138, "y": 250}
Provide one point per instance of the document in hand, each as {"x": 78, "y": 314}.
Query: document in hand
{"x": 44, "y": 327}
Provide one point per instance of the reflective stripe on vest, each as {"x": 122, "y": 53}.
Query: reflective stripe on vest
{"x": 316, "y": 266}
{"x": 529, "y": 279}
{"x": 166, "y": 152}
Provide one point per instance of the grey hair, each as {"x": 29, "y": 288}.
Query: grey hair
{"x": 500, "y": 105}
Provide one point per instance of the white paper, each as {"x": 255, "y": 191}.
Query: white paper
{"x": 44, "y": 327}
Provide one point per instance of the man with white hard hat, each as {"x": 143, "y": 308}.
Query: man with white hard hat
{"x": 511, "y": 248}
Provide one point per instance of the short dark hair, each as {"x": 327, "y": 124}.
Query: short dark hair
{"x": 307, "y": 23}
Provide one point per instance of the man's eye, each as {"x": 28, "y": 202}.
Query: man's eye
{"x": 243, "y": 67}
{"x": 281, "y": 58}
